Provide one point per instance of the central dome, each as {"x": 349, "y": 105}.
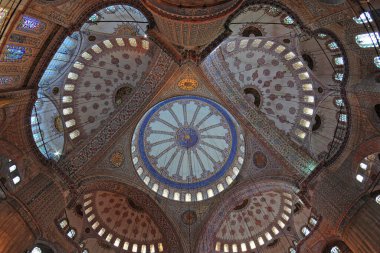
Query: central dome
{"x": 188, "y": 148}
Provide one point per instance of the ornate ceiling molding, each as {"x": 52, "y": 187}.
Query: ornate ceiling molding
{"x": 294, "y": 156}
{"x": 79, "y": 157}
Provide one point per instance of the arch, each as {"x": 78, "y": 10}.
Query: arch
{"x": 90, "y": 9}
{"x": 42, "y": 247}
{"x": 208, "y": 241}
{"x": 100, "y": 183}
{"x": 371, "y": 146}
{"x": 307, "y": 58}
{"x": 10, "y": 150}
{"x": 337, "y": 247}
{"x": 46, "y": 126}
{"x": 251, "y": 30}
{"x": 256, "y": 95}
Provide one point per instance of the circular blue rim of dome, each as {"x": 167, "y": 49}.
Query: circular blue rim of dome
{"x": 195, "y": 185}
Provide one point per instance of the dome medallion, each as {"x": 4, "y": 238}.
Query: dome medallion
{"x": 188, "y": 148}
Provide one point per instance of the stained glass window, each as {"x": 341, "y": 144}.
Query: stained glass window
{"x": 14, "y": 53}
{"x": 339, "y": 102}
{"x": 305, "y": 231}
{"x": 333, "y": 45}
{"x": 338, "y": 77}
{"x": 95, "y": 17}
{"x": 32, "y": 25}
{"x": 335, "y": 249}
{"x": 3, "y": 14}
{"x": 71, "y": 233}
{"x": 36, "y": 250}
{"x": 366, "y": 40}
{"x": 343, "y": 117}
{"x": 322, "y": 35}
{"x": 274, "y": 11}
{"x": 313, "y": 221}
{"x": 365, "y": 17}
{"x": 288, "y": 20}
{"x": 339, "y": 60}
{"x": 111, "y": 9}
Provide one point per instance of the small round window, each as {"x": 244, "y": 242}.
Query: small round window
{"x": 121, "y": 95}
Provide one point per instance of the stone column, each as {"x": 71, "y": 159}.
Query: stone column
{"x": 362, "y": 232}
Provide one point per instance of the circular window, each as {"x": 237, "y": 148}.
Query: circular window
{"x": 188, "y": 148}
{"x": 121, "y": 94}
{"x": 55, "y": 90}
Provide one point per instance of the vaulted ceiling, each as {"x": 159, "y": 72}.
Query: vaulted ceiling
{"x": 180, "y": 126}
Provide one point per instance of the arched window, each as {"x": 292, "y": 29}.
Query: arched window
{"x": 333, "y": 45}
{"x": 11, "y": 169}
{"x": 335, "y": 249}
{"x": 95, "y": 17}
{"x": 313, "y": 221}
{"x": 288, "y": 20}
{"x": 339, "y": 102}
{"x": 41, "y": 248}
{"x": 71, "y": 233}
{"x": 305, "y": 231}
{"x": 367, "y": 40}
{"x": 365, "y": 17}
{"x": 339, "y": 61}
{"x": 63, "y": 223}
{"x": 377, "y": 199}
{"x": 36, "y": 250}
{"x": 359, "y": 178}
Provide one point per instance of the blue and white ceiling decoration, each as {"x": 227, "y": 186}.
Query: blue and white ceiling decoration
{"x": 188, "y": 148}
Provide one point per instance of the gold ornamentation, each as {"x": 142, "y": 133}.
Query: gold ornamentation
{"x": 117, "y": 159}
{"x": 188, "y": 84}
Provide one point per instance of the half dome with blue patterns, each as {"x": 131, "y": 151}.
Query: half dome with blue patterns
{"x": 188, "y": 148}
